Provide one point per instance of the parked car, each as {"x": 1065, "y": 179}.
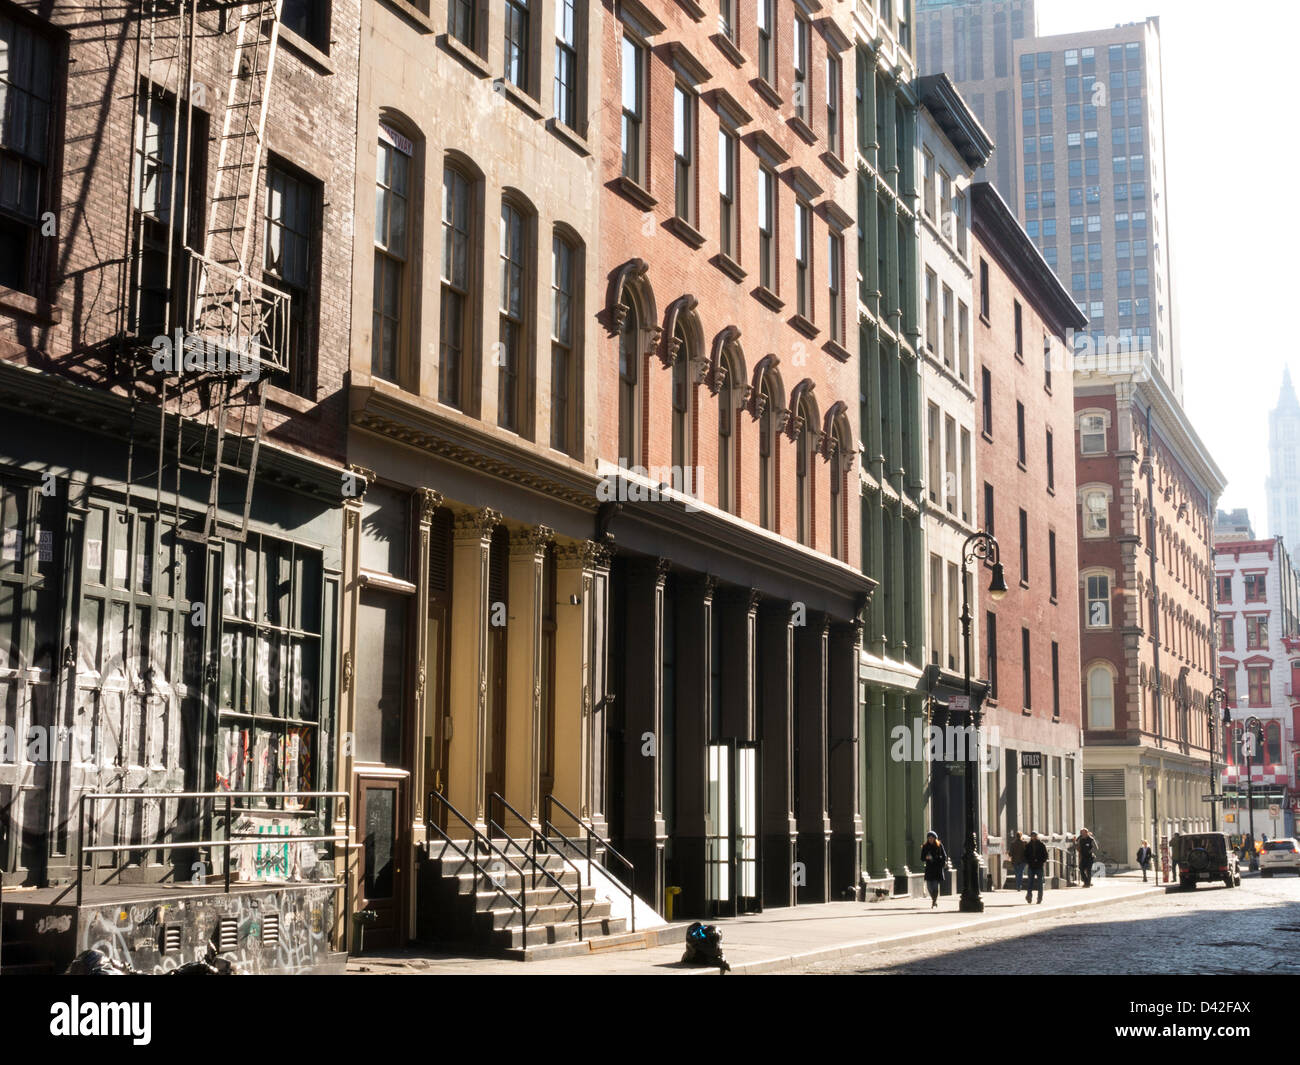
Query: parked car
{"x": 1205, "y": 856}
{"x": 1279, "y": 855}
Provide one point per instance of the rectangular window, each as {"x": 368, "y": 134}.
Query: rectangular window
{"x": 766, "y": 227}
{"x": 986, "y": 401}
{"x": 26, "y": 101}
{"x": 1097, "y": 602}
{"x": 963, "y": 340}
{"x": 727, "y": 19}
{"x": 1020, "y": 334}
{"x": 289, "y": 264}
{"x": 1051, "y": 562}
{"x": 684, "y": 153}
{"x": 1056, "y": 679}
{"x": 309, "y": 19}
{"x": 462, "y": 22}
{"x": 1255, "y": 584}
{"x": 517, "y": 29}
{"x": 950, "y": 464}
{"x": 1260, "y": 691}
{"x": 633, "y": 129}
{"x": 455, "y": 312}
{"x": 566, "y": 62}
{"x": 1026, "y": 674}
{"x": 564, "y": 363}
{"x": 932, "y": 447}
{"x": 948, "y": 338}
{"x": 927, "y": 165}
{"x": 931, "y": 311}
{"x": 833, "y": 103}
{"x": 1024, "y": 547}
{"x": 1256, "y": 632}
{"x": 392, "y": 198}
{"x": 988, "y": 508}
{"x": 1224, "y": 589}
{"x": 1092, "y": 434}
{"x": 800, "y": 58}
{"x": 1051, "y": 463}
{"x": 766, "y": 40}
{"x": 1226, "y": 639}
{"x": 984, "y": 289}
{"x": 991, "y": 651}
{"x": 727, "y": 180}
{"x": 803, "y": 258}
{"x": 1020, "y": 433}
{"x": 835, "y": 285}
{"x": 965, "y": 475}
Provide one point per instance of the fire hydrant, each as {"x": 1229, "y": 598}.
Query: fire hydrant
{"x": 671, "y": 893}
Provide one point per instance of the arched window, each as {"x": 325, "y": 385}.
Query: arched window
{"x": 629, "y": 385}
{"x": 1101, "y": 697}
{"x": 456, "y": 305}
{"x": 805, "y": 481}
{"x": 767, "y": 456}
{"x": 566, "y": 344}
{"x": 727, "y": 436}
{"x": 841, "y": 455}
{"x": 682, "y": 396}
{"x": 516, "y": 312}
{"x": 394, "y": 185}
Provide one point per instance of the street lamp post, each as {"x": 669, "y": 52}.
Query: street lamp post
{"x": 980, "y": 545}
{"x": 1254, "y": 727}
{"x": 1218, "y": 697}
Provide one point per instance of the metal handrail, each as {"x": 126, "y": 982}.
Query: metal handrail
{"x": 230, "y": 841}
{"x": 521, "y": 903}
{"x": 577, "y": 901}
{"x": 592, "y": 834}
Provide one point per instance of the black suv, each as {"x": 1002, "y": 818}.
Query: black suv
{"x": 1205, "y": 856}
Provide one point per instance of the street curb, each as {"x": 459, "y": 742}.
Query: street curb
{"x": 871, "y": 946}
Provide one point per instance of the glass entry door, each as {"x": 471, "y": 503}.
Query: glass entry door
{"x": 732, "y": 826}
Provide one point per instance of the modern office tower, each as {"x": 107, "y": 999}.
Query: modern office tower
{"x": 973, "y": 42}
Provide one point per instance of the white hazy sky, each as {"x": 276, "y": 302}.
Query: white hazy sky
{"x": 1228, "y": 87}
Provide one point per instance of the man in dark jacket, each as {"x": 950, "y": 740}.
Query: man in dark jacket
{"x": 1036, "y": 859}
{"x": 1144, "y": 859}
{"x": 1087, "y": 848}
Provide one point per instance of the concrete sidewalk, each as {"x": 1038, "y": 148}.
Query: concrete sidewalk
{"x": 783, "y": 938}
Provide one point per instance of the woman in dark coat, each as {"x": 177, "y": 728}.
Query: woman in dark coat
{"x": 936, "y": 864}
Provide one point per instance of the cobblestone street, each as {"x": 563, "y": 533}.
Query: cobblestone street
{"x": 1254, "y": 929}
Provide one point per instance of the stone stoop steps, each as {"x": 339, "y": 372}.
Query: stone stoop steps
{"x": 472, "y": 910}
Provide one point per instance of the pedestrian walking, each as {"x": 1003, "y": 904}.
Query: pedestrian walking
{"x": 1016, "y": 850}
{"x": 1035, "y": 859}
{"x": 936, "y": 864}
{"x": 1087, "y": 847}
{"x": 1144, "y": 859}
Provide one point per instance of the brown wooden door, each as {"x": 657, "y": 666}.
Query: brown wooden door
{"x": 380, "y": 820}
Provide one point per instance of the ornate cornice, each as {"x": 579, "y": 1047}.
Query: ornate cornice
{"x": 475, "y": 524}
{"x": 427, "y": 500}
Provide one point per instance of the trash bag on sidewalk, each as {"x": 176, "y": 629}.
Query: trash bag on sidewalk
{"x": 96, "y": 963}
{"x": 704, "y": 946}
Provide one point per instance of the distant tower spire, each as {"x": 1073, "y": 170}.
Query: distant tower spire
{"x": 1287, "y": 398}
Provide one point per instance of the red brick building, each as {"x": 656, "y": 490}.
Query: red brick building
{"x": 1025, "y": 416}
{"x": 726, "y": 240}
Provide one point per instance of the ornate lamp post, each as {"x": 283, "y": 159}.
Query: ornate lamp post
{"x": 980, "y": 545}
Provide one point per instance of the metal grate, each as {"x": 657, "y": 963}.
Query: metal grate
{"x": 1104, "y": 784}
{"x": 227, "y": 937}
{"x": 270, "y": 930}
{"x": 169, "y": 939}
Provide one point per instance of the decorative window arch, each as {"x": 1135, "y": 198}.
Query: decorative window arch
{"x": 1095, "y": 499}
{"x": 568, "y": 267}
{"x": 726, "y": 379}
{"x": 806, "y": 431}
{"x": 634, "y": 318}
{"x": 767, "y": 409}
{"x": 1101, "y": 678}
{"x": 838, "y": 439}
{"x": 683, "y": 344}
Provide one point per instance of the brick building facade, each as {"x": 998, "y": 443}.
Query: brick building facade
{"x": 1026, "y": 492}
{"x": 172, "y": 621}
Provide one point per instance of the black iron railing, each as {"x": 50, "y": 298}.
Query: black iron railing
{"x": 602, "y": 845}
{"x": 538, "y": 869}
